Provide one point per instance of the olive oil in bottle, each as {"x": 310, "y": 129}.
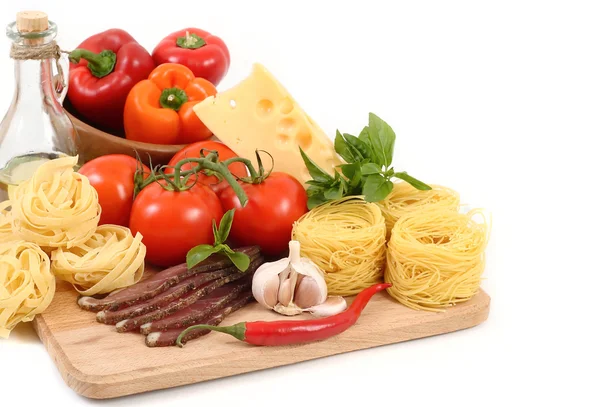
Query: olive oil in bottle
{"x": 35, "y": 128}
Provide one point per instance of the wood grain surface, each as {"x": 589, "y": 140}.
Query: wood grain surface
{"x": 97, "y": 362}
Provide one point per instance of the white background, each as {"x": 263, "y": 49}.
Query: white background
{"x": 497, "y": 99}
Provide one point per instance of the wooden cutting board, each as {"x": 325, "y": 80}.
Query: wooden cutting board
{"x": 97, "y": 362}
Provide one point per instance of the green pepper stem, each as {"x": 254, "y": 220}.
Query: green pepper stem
{"x": 100, "y": 64}
{"x": 173, "y": 98}
{"x": 190, "y": 41}
{"x": 238, "y": 331}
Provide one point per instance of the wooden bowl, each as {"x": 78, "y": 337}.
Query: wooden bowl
{"x": 95, "y": 143}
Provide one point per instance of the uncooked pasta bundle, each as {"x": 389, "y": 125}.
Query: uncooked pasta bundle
{"x": 57, "y": 207}
{"x": 404, "y": 198}
{"x": 26, "y": 284}
{"x": 110, "y": 259}
{"x": 435, "y": 258}
{"x": 346, "y": 239}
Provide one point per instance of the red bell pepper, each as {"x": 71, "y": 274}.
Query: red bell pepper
{"x": 205, "y": 54}
{"x": 103, "y": 70}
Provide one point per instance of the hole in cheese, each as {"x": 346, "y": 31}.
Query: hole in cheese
{"x": 286, "y": 106}
{"x": 264, "y": 107}
{"x": 304, "y": 140}
{"x": 283, "y": 140}
{"x": 286, "y": 125}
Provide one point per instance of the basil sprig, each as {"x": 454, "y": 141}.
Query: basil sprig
{"x": 203, "y": 251}
{"x": 367, "y": 170}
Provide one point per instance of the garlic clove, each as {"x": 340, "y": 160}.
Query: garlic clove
{"x": 332, "y": 306}
{"x": 265, "y": 282}
{"x": 308, "y": 293}
{"x": 269, "y": 295}
{"x": 286, "y": 293}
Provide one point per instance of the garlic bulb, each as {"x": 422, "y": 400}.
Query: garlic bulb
{"x": 293, "y": 285}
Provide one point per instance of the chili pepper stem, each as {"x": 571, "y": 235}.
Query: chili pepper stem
{"x": 100, "y": 64}
{"x": 238, "y": 331}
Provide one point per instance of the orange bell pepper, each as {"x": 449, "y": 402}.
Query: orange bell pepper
{"x": 159, "y": 109}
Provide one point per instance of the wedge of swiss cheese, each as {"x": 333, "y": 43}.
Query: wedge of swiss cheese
{"x": 258, "y": 113}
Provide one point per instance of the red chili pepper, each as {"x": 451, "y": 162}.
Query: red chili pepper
{"x": 103, "y": 70}
{"x": 274, "y": 333}
{"x": 205, "y": 54}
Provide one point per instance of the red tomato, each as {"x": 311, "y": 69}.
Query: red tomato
{"x": 171, "y": 223}
{"x": 193, "y": 151}
{"x": 267, "y": 219}
{"x": 113, "y": 178}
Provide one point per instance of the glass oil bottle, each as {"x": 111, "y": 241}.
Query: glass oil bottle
{"x": 36, "y": 128}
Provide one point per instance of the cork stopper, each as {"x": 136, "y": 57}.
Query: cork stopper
{"x": 32, "y": 21}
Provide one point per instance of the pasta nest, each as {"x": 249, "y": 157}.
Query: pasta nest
{"x": 57, "y": 207}
{"x": 26, "y": 285}
{"x": 404, "y": 198}
{"x": 110, "y": 259}
{"x": 346, "y": 239}
{"x": 435, "y": 259}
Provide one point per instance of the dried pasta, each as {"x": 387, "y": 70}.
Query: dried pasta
{"x": 435, "y": 257}
{"x": 26, "y": 284}
{"x": 57, "y": 207}
{"x": 404, "y": 198}
{"x": 110, "y": 259}
{"x": 346, "y": 239}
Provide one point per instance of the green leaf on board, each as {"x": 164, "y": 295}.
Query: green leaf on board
{"x": 198, "y": 254}
{"x": 240, "y": 260}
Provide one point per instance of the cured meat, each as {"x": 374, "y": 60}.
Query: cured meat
{"x": 131, "y": 324}
{"x": 198, "y": 310}
{"x": 174, "y": 293}
{"x": 169, "y": 338}
{"x": 159, "y": 283}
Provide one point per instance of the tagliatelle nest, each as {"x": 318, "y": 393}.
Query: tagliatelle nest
{"x": 57, "y": 207}
{"x": 26, "y": 285}
{"x": 110, "y": 259}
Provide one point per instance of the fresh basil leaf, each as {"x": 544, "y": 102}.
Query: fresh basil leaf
{"x": 335, "y": 192}
{"x": 225, "y": 226}
{"x": 312, "y": 190}
{"x": 364, "y": 137}
{"x": 382, "y": 139}
{"x": 342, "y": 148}
{"x": 412, "y": 181}
{"x": 239, "y": 260}
{"x": 353, "y": 173}
{"x": 312, "y": 182}
{"x": 360, "y": 150}
{"x": 376, "y": 188}
{"x": 316, "y": 200}
{"x": 198, "y": 254}
{"x": 370, "y": 168}
{"x": 314, "y": 170}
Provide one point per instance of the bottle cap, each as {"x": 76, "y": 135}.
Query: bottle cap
{"x": 32, "y": 21}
